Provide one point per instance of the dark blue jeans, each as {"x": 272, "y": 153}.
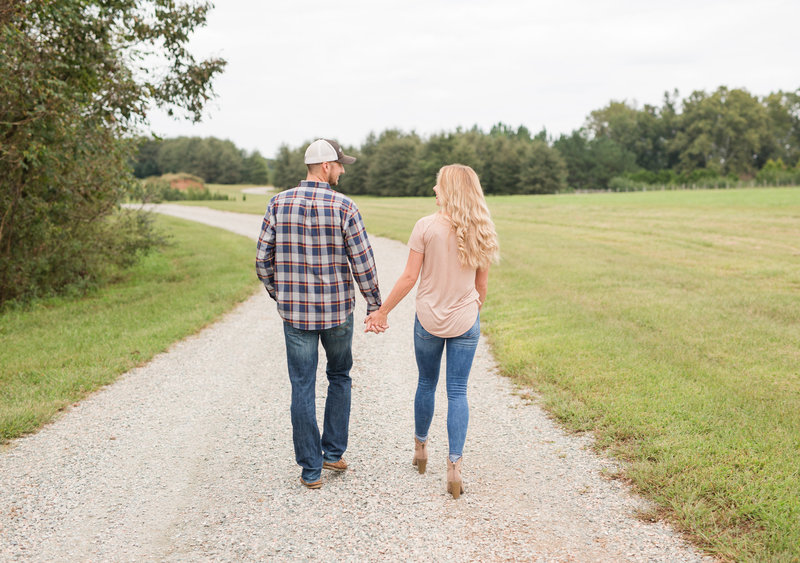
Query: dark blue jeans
{"x": 302, "y": 357}
{"x": 460, "y": 353}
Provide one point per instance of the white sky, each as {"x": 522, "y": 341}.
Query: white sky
{"x": 300, "y": 70}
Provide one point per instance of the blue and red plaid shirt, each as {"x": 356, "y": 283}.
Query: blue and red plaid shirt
{"x": 310, "y": 239}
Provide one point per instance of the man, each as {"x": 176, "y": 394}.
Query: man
{"x": 311, "y": 239}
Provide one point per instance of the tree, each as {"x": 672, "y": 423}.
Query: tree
{"x": 76, "y": 80}
{"x": 356, "y": 178}
{"x": 391, "y": 171}
{"x": 214, "y": 160}
{"x": 724, "y": 132}
{"x": 146, "y": 162}
{"x": 255, "y": 169}
{"x": 591, "y": 164}
{"x": 542, "y": 171}
{"x": 289, "y": 166}
{"x": 503, "y": 164}
{"x": 574, "y": 149}
{"x": 783, "y": 110}
{"x": 645, "y": 133}
{"x": 434, "y": 154}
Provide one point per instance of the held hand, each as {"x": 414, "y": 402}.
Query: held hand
{"x": 376, "y": 322}
{"x": 369, "y": 326}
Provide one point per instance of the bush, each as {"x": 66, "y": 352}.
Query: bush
{"x": 776, "y": 173}
{"x": 157, "y": 189}
{"x": 625, "y": 184}
{"x": 91, "y": 255}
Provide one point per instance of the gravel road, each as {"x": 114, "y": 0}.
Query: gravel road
{"x": 190, "y": 458}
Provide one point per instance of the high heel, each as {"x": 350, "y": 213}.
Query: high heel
{"x": 454, "y": 483}
{"x": 420, "y": 455}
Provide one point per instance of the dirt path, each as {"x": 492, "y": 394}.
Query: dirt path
{"x": 190, "y": 458}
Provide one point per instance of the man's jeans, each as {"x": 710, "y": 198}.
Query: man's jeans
{"x": 460, "y": 352}
{"x": 301, "y": 354}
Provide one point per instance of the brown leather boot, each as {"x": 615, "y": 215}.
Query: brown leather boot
{"x": 420, "y": 455}
{"x": 454, "y": 484}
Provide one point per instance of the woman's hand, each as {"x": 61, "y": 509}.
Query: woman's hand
{"x": 376, "y": 322}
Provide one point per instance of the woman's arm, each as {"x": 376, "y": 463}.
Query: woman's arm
{"x": 378, "y": 320}
{"x": 482, "y": 285}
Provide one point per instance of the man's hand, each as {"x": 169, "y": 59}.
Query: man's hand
{"x": 376, "y": 322}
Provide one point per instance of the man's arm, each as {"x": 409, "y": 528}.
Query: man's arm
{"x": 362, "y": 261}
{"x": 265, "y": 253}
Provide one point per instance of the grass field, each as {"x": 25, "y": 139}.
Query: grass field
{"x": 234, "y": 191}
{"x": 668, "y": 324}
{"x": 61, "y": 350}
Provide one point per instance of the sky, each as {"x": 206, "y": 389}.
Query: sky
{"x": 342, "y": 69}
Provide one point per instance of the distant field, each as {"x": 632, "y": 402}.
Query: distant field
{"x": 238, "y": 199}
{"x": 668, "y": 323}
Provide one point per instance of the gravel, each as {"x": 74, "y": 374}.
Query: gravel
{"x": 189, "y": 458}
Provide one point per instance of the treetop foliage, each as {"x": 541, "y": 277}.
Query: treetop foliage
{"x": 214, "y": 160}
{"x": 395, "y": 163}
{"x": 721, "y": 138}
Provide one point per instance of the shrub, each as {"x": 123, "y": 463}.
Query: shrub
{"x": 157, "y": 189}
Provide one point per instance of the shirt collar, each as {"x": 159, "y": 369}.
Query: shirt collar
{"x": 312, "y": 184}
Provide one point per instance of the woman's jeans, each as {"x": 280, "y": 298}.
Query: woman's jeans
{"x": 460, "y": 352}
{"x": 301, "y": 355}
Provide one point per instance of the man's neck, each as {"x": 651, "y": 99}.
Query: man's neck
{"x": 315, "y": 178}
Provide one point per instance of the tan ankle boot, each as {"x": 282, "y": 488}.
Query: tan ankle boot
{"x": 420, "y": 455}
{"x": 454, "y": 483}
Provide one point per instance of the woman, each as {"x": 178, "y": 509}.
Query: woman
{"x": 452, "y": 249}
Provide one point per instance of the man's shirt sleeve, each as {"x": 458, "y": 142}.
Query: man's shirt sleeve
{"x": 362, "y": 261}
{"x": 265, "y": 252}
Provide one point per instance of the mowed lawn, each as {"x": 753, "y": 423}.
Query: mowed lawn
{"x": 668, "y": 323}
{"x": 60, "y": 350}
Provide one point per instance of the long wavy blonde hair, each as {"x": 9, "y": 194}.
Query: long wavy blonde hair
{"x": 469, "y": 215}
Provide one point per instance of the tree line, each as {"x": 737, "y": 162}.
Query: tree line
{"x": 715, "y": 139}
{"x": 214, "y": 160}
{"x": 509, "y": 161}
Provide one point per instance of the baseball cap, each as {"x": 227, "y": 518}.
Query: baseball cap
{"x": 326, "y": 150}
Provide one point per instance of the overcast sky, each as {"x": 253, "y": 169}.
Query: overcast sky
{"x": 344, "y": 68}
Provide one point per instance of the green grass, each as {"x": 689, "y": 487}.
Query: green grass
{"x": 61, "y": 350}
{"x": 667, "y": 323}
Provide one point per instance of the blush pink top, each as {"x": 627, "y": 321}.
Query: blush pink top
{"x": 447, "y": 301}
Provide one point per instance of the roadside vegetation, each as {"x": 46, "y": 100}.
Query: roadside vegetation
{"x": 56, "y": 351}
{"x": 76, "y": 85}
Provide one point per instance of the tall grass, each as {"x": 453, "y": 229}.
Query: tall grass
{"x": 668, "y": 324}
{"x": 63, "y": 349}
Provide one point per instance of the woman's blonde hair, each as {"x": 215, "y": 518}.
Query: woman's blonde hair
{"x": 463, "y": 198}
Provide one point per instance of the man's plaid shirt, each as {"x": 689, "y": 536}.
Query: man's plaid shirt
{"x": 309, "y": 236}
